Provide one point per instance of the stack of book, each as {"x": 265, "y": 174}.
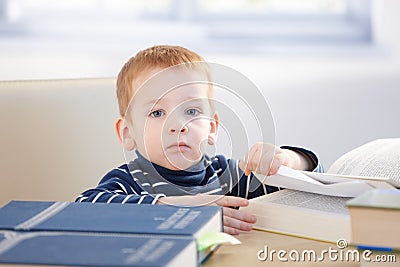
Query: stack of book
{"x": 375, "y": 217}
{"x": 64, "y": 233}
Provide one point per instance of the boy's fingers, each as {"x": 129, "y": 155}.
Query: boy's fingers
{"x": 274, "y": 168}
{"x": 231, "y": 201}
{"x": 242, "y": 166}
{"x": 253, "y": 159}
{"x": 276, "y": 163}
{"x": 249, "y": 164}
{"x": 237, "y": 224}
{"x": 231, "y": 231}
{"x": 246, "y": 167}
{"x": 239, "y": 215}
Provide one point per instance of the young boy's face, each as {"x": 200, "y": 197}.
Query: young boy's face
{"x": 171, "y": 127}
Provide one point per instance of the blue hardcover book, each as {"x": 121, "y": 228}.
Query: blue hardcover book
{"x": 110, "y": 218}
{"x": 96, "y": 249}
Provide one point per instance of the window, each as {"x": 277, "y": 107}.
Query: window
{"x": 212, "y": 25}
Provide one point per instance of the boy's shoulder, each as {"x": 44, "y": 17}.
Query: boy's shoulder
{"x": 121, "y": 172}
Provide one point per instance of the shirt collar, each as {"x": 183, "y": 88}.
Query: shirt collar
{"x": 192, "y": 176}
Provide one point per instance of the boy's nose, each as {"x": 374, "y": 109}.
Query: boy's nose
{"x": 181, "y": 129}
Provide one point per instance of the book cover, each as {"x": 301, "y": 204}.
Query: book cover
{"x": 96, "y": 249}
{"x": 111, "y": 218}
{"x": 379, "y": 198}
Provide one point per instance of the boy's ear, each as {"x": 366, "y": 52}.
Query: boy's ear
{"x": 123, "y": 134}
{"x": 212, "y": 136}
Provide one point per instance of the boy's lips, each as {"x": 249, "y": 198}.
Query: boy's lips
{"x": 181, "y": 146}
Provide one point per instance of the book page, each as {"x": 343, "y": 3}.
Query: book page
{"x": 297, "y": 180}
{"x": 307, "y": 201}
{"x": 380, "y": 158}
{"x": 374, "y": 182}
{"x": 302, "y": 214}
{"x": 373, "y": 165}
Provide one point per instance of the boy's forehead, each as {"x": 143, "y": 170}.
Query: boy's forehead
{"x": 145, "y": 75}
{"x": 179, "y": 94}
{"x": 160, "y": 83}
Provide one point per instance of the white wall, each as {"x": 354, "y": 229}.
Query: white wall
{"x": 334, "y": 103}
{"x": 328, "y": 102}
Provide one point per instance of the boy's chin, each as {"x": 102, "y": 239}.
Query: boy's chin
{"x": 180, "y": 162}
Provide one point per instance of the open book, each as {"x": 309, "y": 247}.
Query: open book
{"x": 373, "y": 165}
{"x": 316, "y": 208}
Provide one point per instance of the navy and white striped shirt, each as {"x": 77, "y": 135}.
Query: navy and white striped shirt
{"x": 143, "y": 182}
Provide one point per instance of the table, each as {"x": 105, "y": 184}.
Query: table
{"x": 245, "y": 254}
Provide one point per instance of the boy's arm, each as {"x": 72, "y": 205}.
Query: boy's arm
{"x": 117, "y": 186}
{"x": 314, "y": 164}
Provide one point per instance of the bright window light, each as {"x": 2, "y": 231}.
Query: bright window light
{"x": 208, "y": 24}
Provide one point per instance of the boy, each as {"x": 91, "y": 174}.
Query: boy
{"x": 169, "y": 131}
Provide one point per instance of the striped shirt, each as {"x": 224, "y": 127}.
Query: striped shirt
{"x": 143, "y": 182}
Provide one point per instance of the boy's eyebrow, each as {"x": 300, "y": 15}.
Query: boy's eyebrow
{"x": 152, "y": 101}
{"x": 188, "y": 98}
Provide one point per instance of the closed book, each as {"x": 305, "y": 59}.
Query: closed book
{"x": 302, "y": 214}
{"x": 375, "y": 217}
{"x": 96, "y": 249}
{"x": 110, "y": 218}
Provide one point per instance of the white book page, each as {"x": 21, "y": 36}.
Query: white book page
{"x": 373, "y": 165}
{"x": 293, "y": 179}
{"x": 375, "y": 182}
{"x": 306, "y": 201}
{"x": 380, "y": 158}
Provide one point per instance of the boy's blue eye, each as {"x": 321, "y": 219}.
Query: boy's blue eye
{"x": 192, "y": 112}
{"x": 157, "y": 113}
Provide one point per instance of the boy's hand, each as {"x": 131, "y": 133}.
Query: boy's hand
{"x": 234, "y": 220}
{"x": 264, "y": 158}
